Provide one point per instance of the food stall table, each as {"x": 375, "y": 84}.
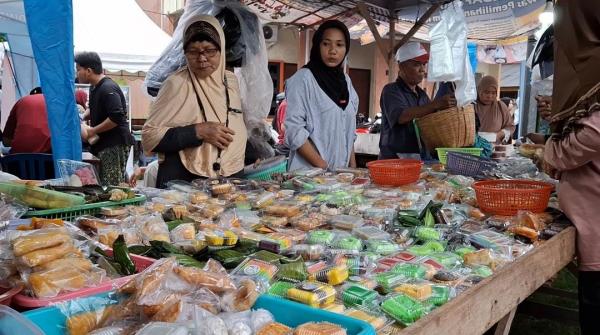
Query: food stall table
{"x": 496, "y": 298}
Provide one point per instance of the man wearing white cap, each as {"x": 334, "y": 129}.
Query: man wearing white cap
{"x": 403, "y": 101}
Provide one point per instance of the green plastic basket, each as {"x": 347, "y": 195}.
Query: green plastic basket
{"x": 71, "y": 213}
{"x": 266, "y": 174}
{"x": 443, "y": 152}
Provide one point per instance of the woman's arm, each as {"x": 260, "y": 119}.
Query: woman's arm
{"x": 352, "y": 159}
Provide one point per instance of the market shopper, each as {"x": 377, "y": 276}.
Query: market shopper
{"x": 108, "y": 116}
{"x": 493, "y": 114}
{"x": 26, "y": 129}
{"x": 320, "y": 121}
{"x": 404, "y": 101}
{"x": 574, "y": 148}
{"x": 195, "y": 124}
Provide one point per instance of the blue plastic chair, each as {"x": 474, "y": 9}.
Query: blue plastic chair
{"x": 29, "y": 166}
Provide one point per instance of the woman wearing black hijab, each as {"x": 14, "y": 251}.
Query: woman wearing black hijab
{"x": 320, "y": 119}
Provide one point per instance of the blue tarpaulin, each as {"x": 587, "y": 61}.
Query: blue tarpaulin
{"x": 50, "y": 25}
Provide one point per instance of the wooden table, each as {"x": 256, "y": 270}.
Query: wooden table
{"x": 496, "y": 298}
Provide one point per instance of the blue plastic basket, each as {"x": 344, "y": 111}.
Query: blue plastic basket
{"x": 468, "y": 165}
{"x": 52, "y": 322}
{"x": 266, "y": 174}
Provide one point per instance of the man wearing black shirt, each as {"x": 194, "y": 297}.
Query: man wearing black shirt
{"x": 108, "y": 116}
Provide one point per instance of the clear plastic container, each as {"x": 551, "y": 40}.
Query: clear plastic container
{"x": 410, "y": 270}
{"x": 76, "y": 173}
{"x": 356, "y": 295}
{"x": 376, "y": 319}
{"x": 388, "y": 280}
{"x": 334, "y": 275}
{"x": 403, "y": 309}
{"x": 346, "y": 222}
{"x": 322, "y": 237}
{"x": 347, "y": 243}
{"x": 309, "y": 252}
{"x": 382, "y": 247}
{"x": 12, "y": 322}
{"x": 163, "y": 328}
{"x": 285, "y": 209}
{"x": 314, "y": 294}
{"x": 370, "y": 232}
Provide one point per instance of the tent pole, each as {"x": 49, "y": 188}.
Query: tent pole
{"x": 364, "y": 12}
{"x": 390, "y": 56}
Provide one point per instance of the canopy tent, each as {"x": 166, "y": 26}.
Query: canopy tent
{"x": 120, "y": 32}
{"x": 487, "y": 20}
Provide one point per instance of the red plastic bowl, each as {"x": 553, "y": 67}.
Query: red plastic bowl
{"x": 395, "y": 172}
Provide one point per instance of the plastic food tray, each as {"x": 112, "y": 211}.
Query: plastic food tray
{"x": 71, "y": 213}
{"x": 52, "y": 322}
{"x": 26, "y": 302}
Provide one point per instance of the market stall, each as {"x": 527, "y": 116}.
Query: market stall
{"x": 419, "y": 256}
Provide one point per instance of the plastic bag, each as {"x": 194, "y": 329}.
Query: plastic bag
{"x": 245, "y": 47}
{"x": 466, "y": 89}
{"x": 75, "y": 173}
{"x": 448, "y": 45}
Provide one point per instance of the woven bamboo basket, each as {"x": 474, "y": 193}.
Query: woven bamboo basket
{"x": 450, "y": 128}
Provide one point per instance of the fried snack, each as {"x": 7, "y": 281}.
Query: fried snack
{"x": 107, "y": 236}
{"x": 92, "y": 223}
{"x": 39, "y": 240}
{"x": 84, "y": 323}
{"x": 481, "y": 257}
{"x": 169, "y": 311}
{"x": 38, "y": 223}
{"x": 530, "y": 220}
{"x": 42, "y": 256}
{"x": 417, "y": 291}
{"x": 274, "y": 328}
{"x": 79, "y": 263}
{"x": 242, "y": 299}
{"x": 47, "y": 284}
{"x": 319, "y": 328}
{"x": 150, "y": 311}
{"x": 215, "y": 282}
{"x": 198, "y": 198}
{"x": 527, "y": 232}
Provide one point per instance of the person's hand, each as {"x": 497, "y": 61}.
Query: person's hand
{"x": 322, "y": 164}
{"x": 444, "y": 102}
{"x": 544, "y": 106}
{"x": 536, "y": 138}
{"x": 215, "y": 134}
{"x": 500, "y": 136}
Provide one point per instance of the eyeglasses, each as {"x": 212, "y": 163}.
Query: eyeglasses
{"x": 208, "y": 53}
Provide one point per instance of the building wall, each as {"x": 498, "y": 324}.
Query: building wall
{"x": 154, "y": 10}
{"x": 285, "y": 49}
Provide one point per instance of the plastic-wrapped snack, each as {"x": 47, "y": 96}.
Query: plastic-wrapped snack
{"x": 280, "y": 288}
{"x": 375, "y": 319}
{"x": 94, "y": 224}
{"x": 256, "y": 268}
{"x": 482, "y": 271}
{"x": 274, "y": 221}
{"x": 39, "y": 239}
{"x": 410, "y": 270}
{"x": 314, "y": 294}
{"x": 530, "y": 235}
{"x": 371, "y": 232}
{"x": 334, "y": 275}
{"x": 183, "y": 232}
{"x": 403, "y": 309}
{"x": 274, "y": 328}
{"x": 50, "y": 282}
{"x": 440, "y": 295}
{"x": 267, "y": 256}
{"x": 309, "y": 222}
{"x": 220, "y": 237}
{"x": 108, "y": 235}
{"x": 335, "y": 308}
{"x": 346, "y": 222}
{"x": 163, "y": 328}
{"x": 357, "y": 265}
{"x": 263, "y": 200}
{"x": 283, "y": 240}
{"x": 286, "y": 209}
{"x": 241, "y": 299}
{"x": 447, "y": 278}
{"x": 293, "y": 272}
{"x": 154, "y": 228}
{"x": 347, "y": 243}
{"x": 419, "y": 290}
{"x": 319, "y": 328}
{"x": 427, "y": 234}
{"x": 229, "y": 258}
{"x": 463, "y": 250}
{"x": 216, "y": 282}
{"x": 448, "y": 259}
{"x": 388, "y": 280}
{"x": 356, "y": 295}
{"x": 309, "y": 252}
{"x": 382, "y": 247}
{"x": 42, "y": 256}
{"x": 322, "y": 237}
{"x": 330, "y": 209}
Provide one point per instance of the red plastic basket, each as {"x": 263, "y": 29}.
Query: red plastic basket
{"x": 7, "y": 294}
{"x": 507, "y": 197}
{"x": 395, "y": 172}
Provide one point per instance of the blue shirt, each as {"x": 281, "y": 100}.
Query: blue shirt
{"x": 311, "y": 114}
{"x": 399, "y": 138}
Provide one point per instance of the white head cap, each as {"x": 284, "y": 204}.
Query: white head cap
{"x": 412, "y": 50}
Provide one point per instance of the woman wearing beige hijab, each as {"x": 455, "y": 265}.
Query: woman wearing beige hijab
{"x": 492, "y": 113}
{"x": 195, "y": 124}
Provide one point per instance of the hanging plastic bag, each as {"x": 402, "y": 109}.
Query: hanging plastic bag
{"x": 246, "y": 51}
{"x": 466, "y": 88}
{"x": 448, "y": 45}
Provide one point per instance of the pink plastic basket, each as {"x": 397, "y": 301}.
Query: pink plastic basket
{"x": 24, "y": 301}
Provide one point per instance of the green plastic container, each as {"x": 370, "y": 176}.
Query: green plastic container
{"x": 403, "y": 309}
{"x": 266, "y": 174}
{"x": 443, "y": 152}
{"x": 408, "y": 270}
{"x": 71, "y": 213}
{"x": 357, "y": 295}
{"x": 280, "y": 288}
